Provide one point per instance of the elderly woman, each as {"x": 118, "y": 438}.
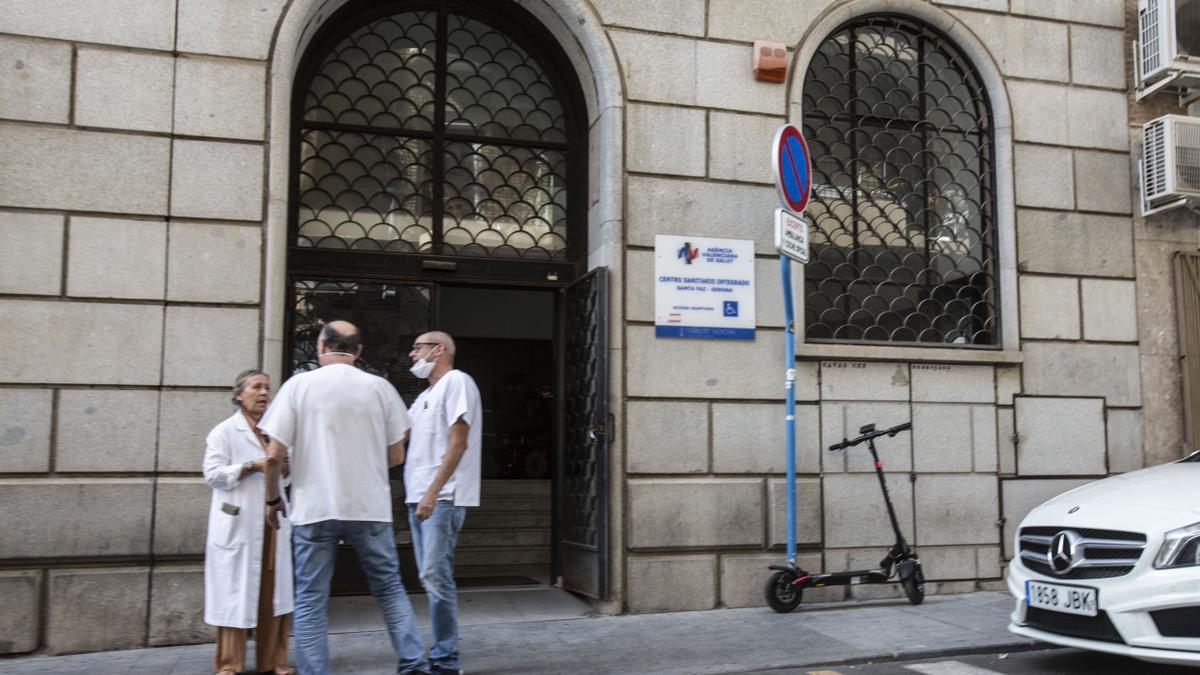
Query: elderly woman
{"x": 247, "y": 565}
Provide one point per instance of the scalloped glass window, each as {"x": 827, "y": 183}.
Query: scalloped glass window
{"x": 902, "y": 213}
{"x": 423, "y": 137}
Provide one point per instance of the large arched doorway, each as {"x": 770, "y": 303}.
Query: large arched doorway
{"x": 437, "y": 180}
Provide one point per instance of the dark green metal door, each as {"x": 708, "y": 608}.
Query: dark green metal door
{"x": 582, "y": 519}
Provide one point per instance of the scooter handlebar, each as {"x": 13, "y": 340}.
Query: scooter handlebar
{"x": 847, "y": 443}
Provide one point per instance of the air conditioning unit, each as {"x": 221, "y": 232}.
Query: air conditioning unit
{"x": 1170, "y": 163}
{"x": 1167, "y": 51}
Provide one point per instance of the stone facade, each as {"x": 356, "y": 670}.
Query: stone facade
{"x": 132, "y": 214}
{"x": 989, "y": 441}
{"x": 143, "y": 192}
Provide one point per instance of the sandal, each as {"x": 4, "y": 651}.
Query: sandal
{"x": 283, "y": 670}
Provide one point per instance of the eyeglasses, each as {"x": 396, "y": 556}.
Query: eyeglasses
{"x": 418, "y": 345}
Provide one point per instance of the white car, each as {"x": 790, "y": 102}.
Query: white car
{"x": 1114, "y": 566}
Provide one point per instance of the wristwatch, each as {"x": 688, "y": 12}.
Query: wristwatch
{"x": 248, "y": 467}
{"x": 273, "y": 502}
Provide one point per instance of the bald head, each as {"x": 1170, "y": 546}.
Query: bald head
{"x": 444, "y": 339}
{"x": 340, "y": 336}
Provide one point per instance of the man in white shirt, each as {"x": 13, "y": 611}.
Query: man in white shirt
{"x": 441, "y": 479}
{"x": 345, "y": 427}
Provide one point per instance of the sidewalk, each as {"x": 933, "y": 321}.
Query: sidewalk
{"x": 554, "y": 635}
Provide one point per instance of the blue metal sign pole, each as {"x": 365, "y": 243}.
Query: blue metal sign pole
{"x": 791, "y": 166}
{"x": 785, "y": 266}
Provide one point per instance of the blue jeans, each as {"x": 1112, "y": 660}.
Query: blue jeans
{"x": 315, "y": 549}
{"x": 433, "y": 546}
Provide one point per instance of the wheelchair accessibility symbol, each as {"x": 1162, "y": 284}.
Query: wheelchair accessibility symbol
{"x": 731, "y": 308}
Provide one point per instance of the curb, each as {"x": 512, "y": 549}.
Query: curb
{"x": 896, "y": 657}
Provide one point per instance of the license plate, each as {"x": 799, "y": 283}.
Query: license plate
{"x": 1061, "y": 598}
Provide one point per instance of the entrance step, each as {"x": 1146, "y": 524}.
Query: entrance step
{"x": 352, "y": 614}
{"x": 479, "y": 520}
{"x": 502, "y": 494}
{"x": 507, "y": 536}
{"x": 503, "y": 538}
{"x": 482, "y": 519}
{"x": 490, "y": 488}
{"x": 509, "y": 533}
{"x": 513, "y": 502}
{"x": 498, "y": 557}
{"x": 514, "y": 495}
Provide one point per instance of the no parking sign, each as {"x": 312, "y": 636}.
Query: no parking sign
{"x": 791, "y": 167}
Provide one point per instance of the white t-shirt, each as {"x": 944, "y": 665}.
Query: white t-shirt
{"x": 455, "y": 395}
{"x": 338, "y": 422}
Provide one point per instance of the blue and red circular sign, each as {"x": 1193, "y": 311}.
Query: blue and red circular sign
{"x": 791, "y": 167}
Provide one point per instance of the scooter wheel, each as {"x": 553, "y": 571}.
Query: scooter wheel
{"x": 914, "y": 583}
{"x": 782, "y": 595}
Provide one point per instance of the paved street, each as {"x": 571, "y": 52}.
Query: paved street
{"x": 715, "y": 641}
{"x": 554, "y": 632}
{"x": 1035, "y": 662}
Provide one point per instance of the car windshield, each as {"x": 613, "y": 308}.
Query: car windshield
{"x": 1194, "y": 457}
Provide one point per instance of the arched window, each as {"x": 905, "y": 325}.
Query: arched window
{"x": 903, "y": 204}
{"x": 435, "y": 128}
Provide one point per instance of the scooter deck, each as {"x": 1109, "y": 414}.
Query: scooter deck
{"x": 806, "y": 580}
{"x": 847, "y": 578}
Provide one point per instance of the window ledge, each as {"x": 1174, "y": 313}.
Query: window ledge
{"x": 817, "y": 352}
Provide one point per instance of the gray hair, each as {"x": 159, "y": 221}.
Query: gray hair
{"x": 239, "y": 383}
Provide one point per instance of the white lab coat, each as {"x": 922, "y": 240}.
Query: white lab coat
{"x": 233, "y": 551}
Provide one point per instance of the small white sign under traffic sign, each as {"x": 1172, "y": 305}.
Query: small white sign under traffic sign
{"x": 791, "y": 235}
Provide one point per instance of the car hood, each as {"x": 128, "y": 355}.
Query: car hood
{"x": 1156, "y": 499}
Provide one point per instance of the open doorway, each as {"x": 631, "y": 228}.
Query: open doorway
{"x": 506, "y": 342}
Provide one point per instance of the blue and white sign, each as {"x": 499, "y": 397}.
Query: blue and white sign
{"x": 703, "y": 287}
{"x": 791, "y": 167}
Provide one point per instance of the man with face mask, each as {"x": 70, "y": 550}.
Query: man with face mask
{"x": 441, "y": 479}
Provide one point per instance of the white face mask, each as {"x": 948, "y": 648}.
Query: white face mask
{"x": 422, "y": 368}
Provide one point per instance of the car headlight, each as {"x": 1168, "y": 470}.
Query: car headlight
{"x": 1180, "y": 548}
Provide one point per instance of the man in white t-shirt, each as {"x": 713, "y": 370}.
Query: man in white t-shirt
{"x": 441, "y": 479}
{"x": 345, "y": 428}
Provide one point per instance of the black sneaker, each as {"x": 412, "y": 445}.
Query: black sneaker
{"x": 435, "y": 669}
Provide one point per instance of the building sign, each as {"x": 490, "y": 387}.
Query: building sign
{"x": 703, "y": 287}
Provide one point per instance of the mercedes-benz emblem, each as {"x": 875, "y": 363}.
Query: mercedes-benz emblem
{"x": 1064, "y": 549}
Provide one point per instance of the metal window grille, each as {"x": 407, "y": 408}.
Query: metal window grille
{"x": 903, "y": 209}
{"x": 388, "y": 316}
{"x": 432, "y": 132}
{"x": 1187, "y": 156}
{"x": 1155, "y": 162}
{"x": 1150, "y": 31}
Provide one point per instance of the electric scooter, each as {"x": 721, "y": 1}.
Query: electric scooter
{"x": 786, "y": 586}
